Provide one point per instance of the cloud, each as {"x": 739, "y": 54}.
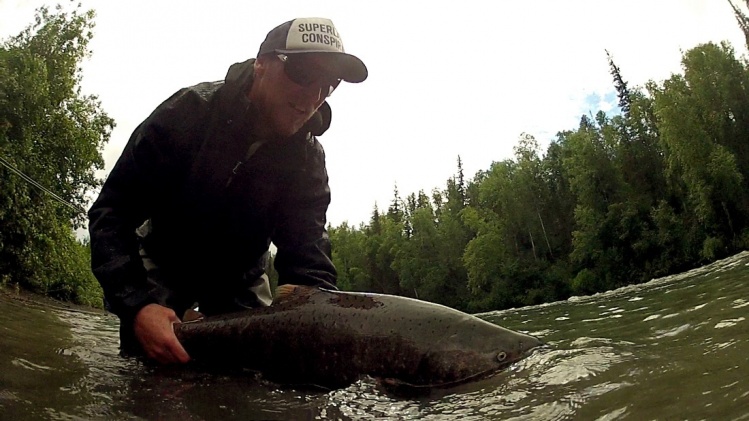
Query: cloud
{"x": 463, "y": 78}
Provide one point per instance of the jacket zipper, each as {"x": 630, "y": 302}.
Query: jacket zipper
{"x": 250, "y": 151}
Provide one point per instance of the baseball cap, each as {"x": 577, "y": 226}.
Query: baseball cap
{"x": 314, "y": 35}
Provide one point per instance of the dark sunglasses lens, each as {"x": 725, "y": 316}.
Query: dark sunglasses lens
{"x": 296, "y": 71}
{"x": 305, "y": 74}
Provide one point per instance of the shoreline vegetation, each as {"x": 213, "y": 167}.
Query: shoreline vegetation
{"x": 657, "y": 187}
{"x": 35, "y": 299}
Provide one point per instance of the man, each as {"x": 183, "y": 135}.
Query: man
{"x": 210, "y": 178}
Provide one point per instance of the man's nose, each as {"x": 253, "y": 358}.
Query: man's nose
{"x": 313, "y": 93}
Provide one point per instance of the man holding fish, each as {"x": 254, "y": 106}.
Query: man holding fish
{"x": 215, "y": 174}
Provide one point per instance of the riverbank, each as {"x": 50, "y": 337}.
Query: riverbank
{"x": 43, "y": 301}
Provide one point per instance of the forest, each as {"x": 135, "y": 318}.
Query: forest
{"x": 658, "y": 187}
{"x": 51, "y": 138}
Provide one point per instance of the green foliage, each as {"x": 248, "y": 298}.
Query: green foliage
{"x": 348, "y": 257}
{"x": 586, "y": 282}
{"x": 54, "y": 135}
{"x": 703, "y": 122}
{"x": 659, "y": 188}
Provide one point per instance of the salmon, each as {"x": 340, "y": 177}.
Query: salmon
{"x": 332, "y": 338}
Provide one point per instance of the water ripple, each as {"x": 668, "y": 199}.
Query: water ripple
{"x": 697, "y": 307}
{"x": 667, "y": 333}
{"x": 20, "y": 362}
{"x": 603, "y": 364}
{"x": 729, "y": 323}
{"x": 571, "y": 365}
{"x": 7, "y": 395}
{"x": 613, "y": 415}
{"x": 739, "y": 303}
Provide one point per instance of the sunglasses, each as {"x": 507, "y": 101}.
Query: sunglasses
{"x": 306, "y": 73}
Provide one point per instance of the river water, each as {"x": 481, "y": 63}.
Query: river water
{"x": 675, "y": 348}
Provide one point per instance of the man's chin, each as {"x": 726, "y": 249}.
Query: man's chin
{"x": 285, "y": 134}
{"x": 288, "y": 130}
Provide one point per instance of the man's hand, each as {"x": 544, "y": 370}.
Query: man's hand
{"x": 153, "y": 328}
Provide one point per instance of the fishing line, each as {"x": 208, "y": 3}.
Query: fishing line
{"x": 31, "y": 181}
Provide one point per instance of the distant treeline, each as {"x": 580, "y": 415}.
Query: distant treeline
{"x": 656, "y": 189}
{"x": 660, "y": 187}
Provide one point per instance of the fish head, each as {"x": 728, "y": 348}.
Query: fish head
{"x": 471, "y": 349}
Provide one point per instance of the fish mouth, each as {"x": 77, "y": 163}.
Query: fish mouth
{"x": 501, "y": 355}
{"x": 478, "y": 375}
{"x": 470, "y": 365}
{"x": 502, "y": 358}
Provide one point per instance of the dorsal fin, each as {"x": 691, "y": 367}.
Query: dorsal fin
{"x": 192, "y": 315}
{"x": 283, "y": 292}
{"x": 293, "y": 292}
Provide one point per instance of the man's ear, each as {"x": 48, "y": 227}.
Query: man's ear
{"x": 260, "y": 65}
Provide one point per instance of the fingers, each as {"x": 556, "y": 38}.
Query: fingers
{"x": 169, "y": 351}
{"x": 177, "y": 352}
{"x": 153, "y": 329}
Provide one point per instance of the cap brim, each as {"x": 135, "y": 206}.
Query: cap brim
{"x": 350, "y": 68}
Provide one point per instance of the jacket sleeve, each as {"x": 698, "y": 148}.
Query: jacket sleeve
{"x": 144, "y": 173}
{"x": 304, "y": 251}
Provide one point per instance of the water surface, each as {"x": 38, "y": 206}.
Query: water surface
{"x": 673, "y": 348}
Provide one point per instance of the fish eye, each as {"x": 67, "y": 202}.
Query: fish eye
{"x": 501, "y": 356}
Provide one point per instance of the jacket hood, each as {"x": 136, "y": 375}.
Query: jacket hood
{"x": 239, "y": 79}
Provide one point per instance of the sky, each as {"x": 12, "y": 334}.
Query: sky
{"x": 446, "y": 78}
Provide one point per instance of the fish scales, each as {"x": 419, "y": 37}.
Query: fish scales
{"x": 332, "y": 338}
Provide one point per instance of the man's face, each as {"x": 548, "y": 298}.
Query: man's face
{"x": 286, "y": 105}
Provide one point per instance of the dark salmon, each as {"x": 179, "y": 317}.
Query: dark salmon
{"x": 332, "y": 338}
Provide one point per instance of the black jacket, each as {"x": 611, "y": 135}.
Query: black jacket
{"x": 207, "y": 203}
